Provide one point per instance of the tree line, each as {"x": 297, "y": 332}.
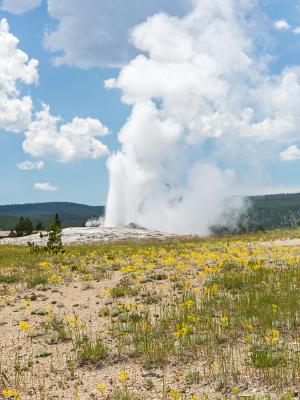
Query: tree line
{"x": 25, "y": 227}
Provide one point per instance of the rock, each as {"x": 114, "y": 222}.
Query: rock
{"x": 31, "y": 297}
{"x": 152, "y": 375}
{"x": 39, "y": 311}
{"x": 133, "y": 225}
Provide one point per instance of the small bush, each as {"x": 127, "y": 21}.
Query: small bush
{"x": 193, "y": 377}
{"x": 123, "y": 395}
{"x": 54, "y": 244}
{"x": 8, "y": 279}
{"x": 265, "y": 357}
{"x": 36, "y": 280}
{"x": 92, "y": 352}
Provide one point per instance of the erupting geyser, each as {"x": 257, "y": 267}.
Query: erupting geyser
{"x": 173, "y": 91}
{"x": 203, "y": 101}
{"x": 122, "y": 196}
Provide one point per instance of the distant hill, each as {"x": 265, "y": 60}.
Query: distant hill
{"x": 273, "y": 211}
{"x": 267, "y": 212}
{"x": 71, "y": 214}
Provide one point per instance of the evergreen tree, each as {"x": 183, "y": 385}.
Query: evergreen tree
{"x": 28, "y": 227}
{"x": 19, "y": 228}
{"x": 23, "y": 227}
{"x": 39, "y": 226}
{"x": 54, "y": 243}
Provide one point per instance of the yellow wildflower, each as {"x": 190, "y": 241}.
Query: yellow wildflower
{"x": 100, "y": 388}
{"x": 24, "y": 326}
{"x": 234, "y": 390}
{"x": 174, "y": 394}
{"x": 123, "y": 376}
{"x": 55, "y": 279}
{"x": 182, "y": 330}
{"x": 274, "y": 307}
{"x": 44, "y": 264}
{"x": 48, "y": 318}
{"x": 188, "y": 303}
{"x": 11, "y": 393}
{"x": 224, "y": 321}
{"x": 272, "y": 336}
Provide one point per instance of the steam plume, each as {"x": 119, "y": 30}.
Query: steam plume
{"x": 200, "y": 87}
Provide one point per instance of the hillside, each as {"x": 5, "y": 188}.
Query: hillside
{"x": 265, "y": 212}
{"x": 71, "y": 214}
{"x": 268, "y": 212}
{"x": 273, "y": 211}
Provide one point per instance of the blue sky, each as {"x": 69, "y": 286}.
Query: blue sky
{"x": 73, "y": 87}
{"x": 70, "y": 92}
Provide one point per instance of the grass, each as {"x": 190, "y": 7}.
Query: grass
{"x": 92, "y": 352}
{"x": 222, "y": 311}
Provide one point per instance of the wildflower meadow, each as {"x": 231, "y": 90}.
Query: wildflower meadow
{"x": 186, "y": 319}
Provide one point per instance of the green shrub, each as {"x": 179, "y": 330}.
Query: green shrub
{"x": 92, "y": 352}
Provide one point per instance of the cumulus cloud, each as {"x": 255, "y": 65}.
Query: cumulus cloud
{"x": 292, "y": 153}
{"x": 296, "y": 30}
{"x": 96, "y": 32}
{"x": 44, "y": 138}
{"x": 29, "y": 165}
{"x": 282, "y": 25}
{"x": 201, "y": 80}
{"x": 76, "y": 139}
{"x": 15, "y": 70}
{"x": 45, "y": 187}
{"x": 19, "y": 6}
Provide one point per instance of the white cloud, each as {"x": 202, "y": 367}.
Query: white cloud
{"x": 28, "y": 165}
{"x": 296, "y": 30}
{"x": 76, "y": 139}
{"x": 209, "y": 92}
{"x": 282, "y": 25}
{"x": 19, "y": 6}
{"x": 96, "y": 32}
{"x": 44, "y": 139}
{"x": 15, "y": 70}
{"x": 292, "y": 153}
{"x": 45, "y": 187}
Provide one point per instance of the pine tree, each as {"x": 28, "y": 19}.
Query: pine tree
{"x": 39, "y": 226}
{"x": 54, "y": 243}
{"x": 28, "y": 227}
{"x": 24, "y": 227}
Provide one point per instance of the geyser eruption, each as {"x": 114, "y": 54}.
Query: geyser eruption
{"x": 153, "y": 180}
{"x": 201, "y": 95}
{"x": 122, "y": 203}
{"x": 136, "y": 196}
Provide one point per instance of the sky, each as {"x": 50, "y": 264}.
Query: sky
{"x": 66, "y": 93}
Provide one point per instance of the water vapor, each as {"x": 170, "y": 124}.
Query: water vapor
{"x": 200, "y": 85}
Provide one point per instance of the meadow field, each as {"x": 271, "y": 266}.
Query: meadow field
{"x": 215, "y": 318}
